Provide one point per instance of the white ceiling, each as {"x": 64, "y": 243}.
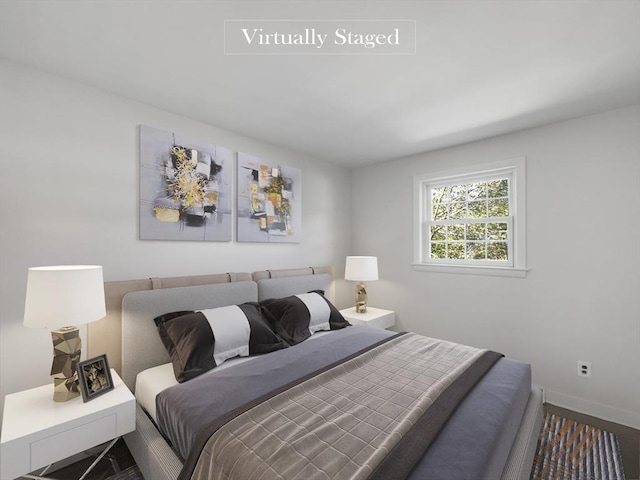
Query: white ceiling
{"x": 482, "y": 68}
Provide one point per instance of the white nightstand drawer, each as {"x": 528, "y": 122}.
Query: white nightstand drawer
{"x": 67, "y": 443}
{"x": 373, "y": 317}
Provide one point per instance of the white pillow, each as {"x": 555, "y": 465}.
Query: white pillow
{"x": 319, "y": 311}
{"x": 231, "y": 331}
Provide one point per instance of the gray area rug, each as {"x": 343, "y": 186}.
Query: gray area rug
{"x": 568, "y": 450}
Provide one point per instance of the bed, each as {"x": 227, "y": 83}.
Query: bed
{"x": 490, "y": 431}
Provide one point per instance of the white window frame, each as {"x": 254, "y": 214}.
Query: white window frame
{"x": 515, "y": 170}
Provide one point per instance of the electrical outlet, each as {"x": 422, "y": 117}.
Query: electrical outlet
{"x": 584, "y": 369}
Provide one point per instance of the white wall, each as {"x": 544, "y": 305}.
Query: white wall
{"x": 581, "y": 297}
{"x": 69, "y": 195}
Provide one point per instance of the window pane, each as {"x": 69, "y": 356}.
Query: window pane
{"x": 458, "y": 193}
{"x": 440, "y": 194}
{"x": 499, "y": 207}
{"x": 497, "y": 231}
{"x": 478, "y": 209}
{"x": 475, "y": 251}
{"x": 438, "y": 250}
{"x": 439, "y": 212}
{"x": 498, "y": 188}
{"x": 475, "y": 231}
{"x": 457, "y": 210}
{"x": 455, "y": 232}
{"x": 438, "y": 232}
{"x": 497, "y": 251}
{"x": 456, "y": 250}
{"x": 477, "y": 190}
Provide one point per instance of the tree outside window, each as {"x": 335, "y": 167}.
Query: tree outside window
{"x": 470, "y": 221}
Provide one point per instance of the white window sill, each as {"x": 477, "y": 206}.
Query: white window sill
{"x": 468, "y": 270}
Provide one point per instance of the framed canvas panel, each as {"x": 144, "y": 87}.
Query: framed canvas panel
{"x": 185, "y": 188}
{"x": 269, "y": 201}
{"x": 94, "y": 377}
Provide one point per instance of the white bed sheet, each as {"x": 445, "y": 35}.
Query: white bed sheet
{"x": 152, "y": 381}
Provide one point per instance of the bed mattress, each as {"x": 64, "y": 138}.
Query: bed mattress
{"x": 478, "y": 436}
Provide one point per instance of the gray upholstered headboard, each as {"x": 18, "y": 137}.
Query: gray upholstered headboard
{"x": 141, "y": 345}
{"x": 105, "y": 336}
{"x": 283, "y": 287}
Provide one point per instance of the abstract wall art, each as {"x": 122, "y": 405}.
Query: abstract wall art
{"x": 185, "y": 188}
{"x": 269, "y": 207}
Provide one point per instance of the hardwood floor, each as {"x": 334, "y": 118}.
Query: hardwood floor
{"x": 628, "y": 438}
{"x": 104, "y": 469}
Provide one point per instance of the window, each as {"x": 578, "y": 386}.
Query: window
{"x": 472, "y": 221}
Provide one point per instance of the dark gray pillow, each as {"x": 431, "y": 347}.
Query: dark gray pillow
{"x": 297, "y": 317}
{"x": 190, "y": 337}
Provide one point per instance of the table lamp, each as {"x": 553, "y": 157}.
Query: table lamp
{"x": 64, "y": 295}
{"x": 360, "y": 270}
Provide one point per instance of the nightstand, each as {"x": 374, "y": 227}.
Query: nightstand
{"x": 36, "y": 431}
{"x": 373, "y": 317}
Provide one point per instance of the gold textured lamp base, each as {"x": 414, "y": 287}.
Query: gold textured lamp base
{"x": 66, "y": 355}
{"x": 65, "y": 388}
{"x": 361, "y": 298}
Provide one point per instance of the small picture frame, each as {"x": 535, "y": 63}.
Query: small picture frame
{"x": 94, "y": 377}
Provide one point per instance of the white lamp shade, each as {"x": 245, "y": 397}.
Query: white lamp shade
{"x": 64, "y": 295}
{"x": 361, "y": 269}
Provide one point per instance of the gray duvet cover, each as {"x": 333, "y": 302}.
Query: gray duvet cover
{"x": 185, "y": 408}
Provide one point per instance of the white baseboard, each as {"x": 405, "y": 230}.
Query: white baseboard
{"x": 544, "y": 396}
{"x": 605, "y": 412}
